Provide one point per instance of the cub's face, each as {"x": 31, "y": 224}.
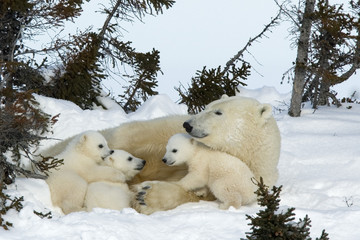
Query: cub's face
{"x": 125, "y": 162}
{"x": 228, "y": 120}
{"x": 93, "y": 145}
{"x": 178, "y": 150}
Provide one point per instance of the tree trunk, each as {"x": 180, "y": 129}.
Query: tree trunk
{"x": 301, "y": 59}
{"x": 324, "y": 93}
{"x": 323, "y": 86}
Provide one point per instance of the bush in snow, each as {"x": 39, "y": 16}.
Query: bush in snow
{"x": 210, "y": 85}
{"x": 272, "y": 224}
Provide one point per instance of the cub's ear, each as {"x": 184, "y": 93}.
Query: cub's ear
{"x": 83, "y": 138}
{"x": 224, "y": 96}
{"x": 265, "y": 111}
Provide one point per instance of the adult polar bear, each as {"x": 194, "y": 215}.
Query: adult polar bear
{"x": 239, "y": 126}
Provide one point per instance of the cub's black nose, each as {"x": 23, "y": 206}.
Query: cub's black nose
{"x": 187, "y": 127}
{"x": 143, "y": 162}
{"x": 164, "y": 160}
{"x": 111, "y": 152}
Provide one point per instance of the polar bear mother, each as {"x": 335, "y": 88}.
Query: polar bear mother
{"x": 239, "y": 126}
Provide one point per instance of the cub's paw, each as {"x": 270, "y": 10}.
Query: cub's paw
{"x": 141, "y": 191}
{"x": 153, "y": 196}
{"x": 141, "y": 195}
{"x": 224, "y": 206}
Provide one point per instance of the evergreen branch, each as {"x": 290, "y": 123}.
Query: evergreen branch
{"x": 356, "y": 61}
{"x": 132, "y": 95}
{"x": 34, "y": 51}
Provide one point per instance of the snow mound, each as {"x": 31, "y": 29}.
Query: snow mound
{"x": 265, "y": 95}
{"x": 158, "y": 106}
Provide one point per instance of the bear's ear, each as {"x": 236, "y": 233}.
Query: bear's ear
{"x": 265, "y": 111}
{"x": 83, "y": 138}
{"x": 224, "y": 96}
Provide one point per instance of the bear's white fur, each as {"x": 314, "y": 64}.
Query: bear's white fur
{"x": 244, "y": 128}
{"x": 239, "y": 126}
{"x": 81, "y": 165}
{"x": 144, "y": 139}
{"x": 228, "y": 178}
{"x": 114, "y": 195}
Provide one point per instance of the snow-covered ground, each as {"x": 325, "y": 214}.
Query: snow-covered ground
{"x": 319, "y": 170}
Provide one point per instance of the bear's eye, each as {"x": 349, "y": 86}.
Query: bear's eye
{"x": 218, "y": 113}
{"x": 174, "y": 150}
{"x": 101, "y": 146}
{"x": 130, "y": 159}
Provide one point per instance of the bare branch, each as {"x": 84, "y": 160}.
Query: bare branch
{"x": 108, "y": 19}
{"x": 24, "y": 172}
{"x": 286, "y": 12}
{"x": 232, "y": 61}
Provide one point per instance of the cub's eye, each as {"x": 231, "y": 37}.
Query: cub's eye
{"x": 218, "y": 113}
{"x": 174, "y": 150}
{"x": 101, "y": 146}
{"x": 130, "y": 159}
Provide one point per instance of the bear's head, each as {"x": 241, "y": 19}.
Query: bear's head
{"x": 126, "y": 163}
{"x": 93, "y": 145}
{"x": 226, "y": 122}
{"x": 179, "y": 150}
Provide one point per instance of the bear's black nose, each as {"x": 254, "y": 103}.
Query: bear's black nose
{"x": 143, "y": 162}
{"x": 187, "y": 127}
{"x": 164, "y": 160}
{"x": 111, "y": 152}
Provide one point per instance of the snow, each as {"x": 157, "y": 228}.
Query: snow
{"x": 319, "y": 170}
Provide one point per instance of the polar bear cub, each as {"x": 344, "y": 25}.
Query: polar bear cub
{"x": 114, "y": 195}
{"x": 227, "y": 177}
{"x": 82, "y": 164}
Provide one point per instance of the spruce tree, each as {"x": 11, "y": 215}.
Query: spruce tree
{"x": 210, "y": 85}
{"x": 79, "y": 81}
{"x": 22, "y": 122}
{"x": 335, "y": 51}
{"x": 81, "y": 61}
{"x": 143, "y": 81}
{"x": 328, "y": 41}
{"x": 269, "y": 223}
